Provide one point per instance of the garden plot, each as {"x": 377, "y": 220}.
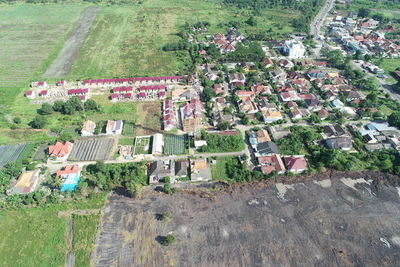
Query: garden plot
{"x": 142, "y": 145}
{"x": 10, "y": 153}
{"x": 129, "y": 128}
{"x": 174, "y": 144}
{"x": 41, "y": 152}
{"x": 90, "y": 149}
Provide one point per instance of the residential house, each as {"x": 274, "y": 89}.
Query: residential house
{"x": 70, "y": 176}
{"x": 26, "y": 183}
{"x": 287, "y": 64}
{"x": 181, "y": 169}
{"x": 242, "y": 94}
{"x": 259, "y": 89}
{"x": 191, "y": 114}
{"x": 168, "y": 115}
{"x": 30, "y": 94}
{"x": 263, "y": 136}
{"x": 278, "y": 132}
{"x": 88, "y": 128}
{"x": 271, "y": 163}
{"x": 296, "y": 164}
{"x": 268, "y": 62}
{"x": 200, "y": 171}
{"x": 270, "y": 116}
{"x": 313, "y": 104}
{"x": 264, "y": 105}
{"x": 60, "y": 151}
{"x": 266, "y": 149}
{"x": 353, "y": 95}
{"x": 344, "y": 143}
{"x": 333, "y": 130}
{"x": 295, "y": 113}
{"x": 247, "y": 106}
{"x": 289, "y": 96}
{"x": 278, "y": 75}
{"x": 237, "y": 77}
{"x": 253, "y": 140}
{"x": 114, "y": 127}
{"x": 323, "y": 114}
{"x": 158, "y": 170}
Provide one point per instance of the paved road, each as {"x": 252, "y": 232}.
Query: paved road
{"x": 315, "y": 27}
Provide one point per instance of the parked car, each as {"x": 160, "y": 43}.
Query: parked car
{"x": 381, "y": 76}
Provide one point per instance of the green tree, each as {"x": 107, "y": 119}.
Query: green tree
{"x": 364, "y": 12}
{"x": 223, "y": 125}
{"x": 170, "y": 240}
{"x": 17, "y": 120}
{"x": 90, "y": 104}
{"x": 46, "y": 109}
{"x": 394, "y": 119}
{"x": 134, "y": 189}
{"x": 39, "y": 122}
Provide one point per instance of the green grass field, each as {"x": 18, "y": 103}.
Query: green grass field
{"x": 218, "y": 171}
{"x": 37, "y": 236}
{"x": 389, "y": 66}
{"x": 84, "y": 232}
{"x": 128, "y": 40}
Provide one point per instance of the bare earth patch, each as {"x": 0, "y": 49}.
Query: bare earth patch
{"x": 312, "y": 224}
{"x": 65, "y": 59}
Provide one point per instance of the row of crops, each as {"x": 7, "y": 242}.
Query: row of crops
{"x": 174, "y": 144}
{"x": 15, "y": 153}
{"x": 92, "y": 149}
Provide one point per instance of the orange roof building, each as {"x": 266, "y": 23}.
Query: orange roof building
{"x": 60, "y": 150}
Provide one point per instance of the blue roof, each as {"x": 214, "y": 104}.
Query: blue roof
{"x": 70, "y": 183}
{"x": 383, "y": 126}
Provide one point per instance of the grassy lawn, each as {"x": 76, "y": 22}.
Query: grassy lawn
{"x": 84, "y": 232}
{"x": 125, "y": 141}
{"x": 37, "y": 236}
{"x": 386, "y": 110}
{"x": 218, "y": 171}
{"x": 389, "y": 66}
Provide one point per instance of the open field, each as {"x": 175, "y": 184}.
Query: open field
{"x": 31, "y": 34}
{"x": 336, "y": 221}
{"x": 88, "y": 149}
{"x": 41, "y": 152}
{"x": 174, "y": 144}
{"x": 389, "y": 66}
{"x": 128, "y": 41}
{"x": 37, "y": 236}
{"x": 84, "y": 233}
{"x": 65, "y": 59}
{"x": 10, "y": 153}
{"x": 148, "y": 118}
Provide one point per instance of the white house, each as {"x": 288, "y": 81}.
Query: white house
{"x": 294, "y": 49}
{"x": 158, "y": 144}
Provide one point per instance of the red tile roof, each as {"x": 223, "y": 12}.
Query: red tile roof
{"x": 28, "y": 93}
{"x": 43, "y": 92}
{"x": 68, "y": 170}
{"x": 295, "y": 163}
{"x": 59, "y": 149}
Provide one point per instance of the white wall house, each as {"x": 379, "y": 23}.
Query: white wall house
{"x": 294, "y": 49}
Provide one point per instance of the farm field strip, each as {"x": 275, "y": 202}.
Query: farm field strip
{"x": 174, "y": 144}
{"x": 92, "y": 149}
{"x": 10, "y": 153}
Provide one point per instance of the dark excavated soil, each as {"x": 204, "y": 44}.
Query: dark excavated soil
{"x": 253, "y": 225}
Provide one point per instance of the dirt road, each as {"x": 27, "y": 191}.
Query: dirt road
{"x": 63, "y": 63}
{"x": 343, "y": 219}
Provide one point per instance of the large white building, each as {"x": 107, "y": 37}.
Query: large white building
{"x": 294, "y": 49}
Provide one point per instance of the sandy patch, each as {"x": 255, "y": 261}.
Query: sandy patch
{"x": 352, "y": 182}
{"x": 324, "y": 183}
{"x": 282, "y": 189}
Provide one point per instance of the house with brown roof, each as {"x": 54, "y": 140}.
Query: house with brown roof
{"x": 271, "y": 163}
{"x": 263, "y": 136}
{"x": 60, "y": 151}
{"x": 296, "y": 164}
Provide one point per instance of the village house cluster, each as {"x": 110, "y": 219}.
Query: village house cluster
{"x": 364, "y": 35}
{"x": 118, "y": 89}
